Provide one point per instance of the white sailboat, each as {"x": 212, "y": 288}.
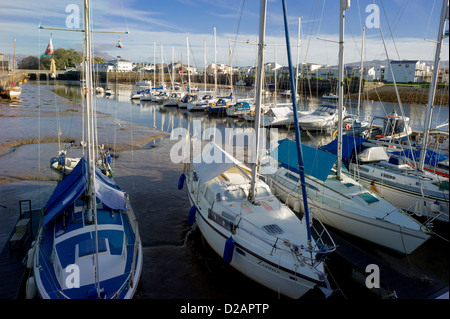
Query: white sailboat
{"x": 13, "y": 91}
{"x": 419, "y": 192}
{"x": 416, "y": 190}
{"x": 88, "y": 245}
{"x": 337, "y": 199}
{"x": 246, "y": 225}
{"x": 323, "y": 118}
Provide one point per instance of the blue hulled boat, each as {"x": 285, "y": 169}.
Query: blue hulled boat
{"x": 87, "y": 252}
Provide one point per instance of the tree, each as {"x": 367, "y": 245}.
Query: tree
{"x": 66, "y": 58}
{"x": 30, "y": 62}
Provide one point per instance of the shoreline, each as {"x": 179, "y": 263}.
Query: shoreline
{"x": 408, "y": 94}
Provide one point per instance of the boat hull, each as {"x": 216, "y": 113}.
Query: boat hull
{"x": 13, "y": 93}
{"x": 427, "y": 205}
{"x": 378, "y": 231}
{"x": 254, "y": 266}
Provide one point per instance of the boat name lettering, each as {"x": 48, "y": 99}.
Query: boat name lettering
{"x": 273, "y": 269}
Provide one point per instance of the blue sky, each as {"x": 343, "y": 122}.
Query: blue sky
{"x": 170, "y": 22}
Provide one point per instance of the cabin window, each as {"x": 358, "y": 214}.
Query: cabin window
{"x": 210, "y": 196}
{"x": 262, "y": 192}
{"x": 368, "y": 198}
{"x": 292, "y": 177}
{"x": 235, "y": 195}
{"x": 349, "y": 184}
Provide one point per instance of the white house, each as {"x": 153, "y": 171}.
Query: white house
{"x": 369, "y": 73}
{"x": 221, "y": 69}
{"x": 380, "y": 71}
{"x": 103, "y": 67}
{"x": 409, "y": 71}
{"x": 328, "y": 73}
{"x": 308, "y": 70}
{"x": 270, "y": 67}
{"x": 122, "y": 65}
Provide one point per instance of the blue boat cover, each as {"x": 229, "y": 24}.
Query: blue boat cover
{"x": 317, "y": 163}
{"x": 74, "y": 184}
{"x": 431, "y": 157}
{"x": 349, "y": 143}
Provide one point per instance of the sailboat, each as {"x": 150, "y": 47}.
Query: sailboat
{"x": 416, "y": 190}
{"x": 246, "y": 224}
{"x": 88, "y": 245}
{"x": 323, "y": 118}
{"x": 336, "y": 199}
{"x": 13, "y": 91}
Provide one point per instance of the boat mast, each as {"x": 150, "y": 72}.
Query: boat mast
{"x": 89, "y": 97}
{"x": 90, "y": 125}
{"x": 298, "y": 54}
{"x": 231, "y": 67}
{"x": 432, "y": 92}
{"x": 344, "y": 5}
{"x": 173, "y": 70}
{"x": 361, "y": 72}
{"x": 215, "y": 62}
{"x": 204, "y": 62}
{"x": 161, "y": 76}
{"x": 259, "y": 83}
{"x": 13, "y": 64}
{"x": 189, "y": 69}
{"x": 154, "y": 64}
{"x": 296, "y": 125}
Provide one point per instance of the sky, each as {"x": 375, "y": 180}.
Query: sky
{"x": 409, "y": 28}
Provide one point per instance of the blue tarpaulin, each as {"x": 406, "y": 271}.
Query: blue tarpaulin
{"x": 317, "y": 163}
{"x": 431, "y": 157}
{"x": 73, "y": 186}
{"x": 349, "y": 143}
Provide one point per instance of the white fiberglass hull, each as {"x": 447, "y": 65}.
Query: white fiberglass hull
{"x": 269, "y": 274}
{"x": 429, "y": 206}
{"x": 312, "y": 123}
{"x": 13, "y": 93}
{"x": 351, "y": 218}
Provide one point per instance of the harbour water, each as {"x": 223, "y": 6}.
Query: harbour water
{"x": 178, "y": 264}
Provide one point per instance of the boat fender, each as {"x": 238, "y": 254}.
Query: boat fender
{"x": 347, "y": 126}
{"x": 191, "y": 217}
{"x": 228, "y": 250}
{"x": 181, "y": 181}
{"x": 30, "y": 258}
{"x": 30, "y": 288}
{"x": 436, "y": 207}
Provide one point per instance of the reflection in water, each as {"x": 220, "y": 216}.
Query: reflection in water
{"x": 166, "y": 118}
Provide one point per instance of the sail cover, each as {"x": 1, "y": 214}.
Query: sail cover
{"x": 212, "y": 162}
{"x": 349, "y": 143}
{"x": 431, "y": 157}
{"x": 317, "y": 163}
{"x": 73, "y": 186}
